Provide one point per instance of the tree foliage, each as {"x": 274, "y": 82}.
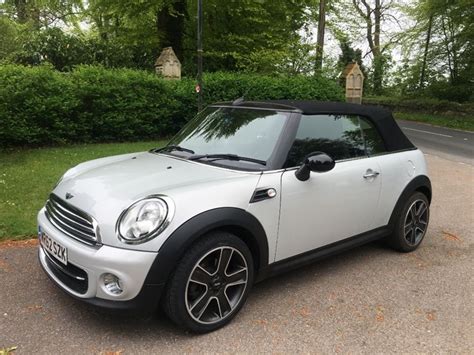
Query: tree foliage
{"x": 440, "y": 62}
{"x": 247, "y": 34}
{"x": 431, "y": 39}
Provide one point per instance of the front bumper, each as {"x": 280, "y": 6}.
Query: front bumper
{"x": 83, "y": 277}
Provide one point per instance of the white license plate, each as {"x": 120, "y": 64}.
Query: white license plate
{"x": 55, "y": 249}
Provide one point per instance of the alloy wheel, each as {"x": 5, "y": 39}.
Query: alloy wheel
{"x": 216, "y": 285}
{"x": 416, "y": 222}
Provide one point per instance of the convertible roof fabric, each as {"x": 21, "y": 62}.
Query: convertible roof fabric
{"x": 382, "y": 118}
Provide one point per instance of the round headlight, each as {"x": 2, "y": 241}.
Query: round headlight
{"x": 143, "y": 220}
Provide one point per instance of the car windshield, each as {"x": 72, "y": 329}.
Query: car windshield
{"x": 237, "y": 132}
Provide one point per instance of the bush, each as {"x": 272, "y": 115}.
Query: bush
{"x": 34, "y": 103}
{"x": 422, "y": 105}
{"x": 121, "y": 105}
{"x": 461, "y": 92}
{"x": 229, "y": 86}
{"x": 41, "y": 106}
{"x": 64, "y": 51}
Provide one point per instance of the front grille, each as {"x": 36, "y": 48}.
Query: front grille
{"x": 70, "y": 275}
{"x": 71, "y": 221}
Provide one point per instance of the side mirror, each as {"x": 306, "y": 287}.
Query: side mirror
{"x": 318, "y": 162}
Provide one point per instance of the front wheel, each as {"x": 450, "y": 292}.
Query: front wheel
{"x": 210, "y": 284}
{"x": 412, "y": 223}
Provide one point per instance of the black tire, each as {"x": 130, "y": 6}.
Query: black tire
{"x": 407, "y": 234}
{"x": 177, "y": 301}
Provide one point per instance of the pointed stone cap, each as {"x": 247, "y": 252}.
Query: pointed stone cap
{"x": 352, "y": 68}
{"x": 168, "y": 64}
{"x": 167, "y": 54}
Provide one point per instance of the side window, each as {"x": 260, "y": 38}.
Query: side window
{"x": 373, "y": 141}
{"x": 339, "y": 136}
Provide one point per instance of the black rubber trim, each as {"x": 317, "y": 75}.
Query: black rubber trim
{"x": 72, "y": 276}
{"x": 146, "y": 302}
{"x": 227, "y": 218}
{"x": 419, "y": 183}
{"x": 322, "y": 252}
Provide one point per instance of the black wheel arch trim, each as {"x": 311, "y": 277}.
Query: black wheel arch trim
{"x": 226, "y": 218}
{"x": 420, "y": 183}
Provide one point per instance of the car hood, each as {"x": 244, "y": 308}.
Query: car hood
{"x": 103, "y": 188}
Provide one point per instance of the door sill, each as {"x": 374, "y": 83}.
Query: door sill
{"x": 311, "y": 256}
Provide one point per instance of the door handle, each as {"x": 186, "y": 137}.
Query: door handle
{"x": 371, "y": 174}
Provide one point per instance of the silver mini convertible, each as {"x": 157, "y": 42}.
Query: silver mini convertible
{"x": 244, "y": 191}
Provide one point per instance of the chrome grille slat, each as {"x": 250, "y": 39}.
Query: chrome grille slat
{"x": 69, "y": 227}
{"x": 89, "y": 242}
{"x": 53, "y": 211}
{"x": 71, "y": 221}
{"x": 70, "y": 211}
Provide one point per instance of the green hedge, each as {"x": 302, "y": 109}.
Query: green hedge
{"x": 40, "y": 106}
{"x": 422, "y": 105}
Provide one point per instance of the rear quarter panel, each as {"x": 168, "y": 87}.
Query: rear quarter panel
{"x": 397, "y": 170}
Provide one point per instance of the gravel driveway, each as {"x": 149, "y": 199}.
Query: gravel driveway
{"x": 370, "y": 299}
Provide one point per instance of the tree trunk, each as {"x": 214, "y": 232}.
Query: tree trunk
{"x": 448, "y": 51}
{"x": 320, "y": 39}
{"x": 170, "y": 26}
{"x": 425, "y": 54}
{"x": 378, "y": 59}
{"x": 21, "y": 11}
{"x": 373, "y": 38}
{"x": 454, "y": 52}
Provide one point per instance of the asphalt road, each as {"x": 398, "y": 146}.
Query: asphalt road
{"x": 368, "y": 300}
{"x": 448, "y": 143}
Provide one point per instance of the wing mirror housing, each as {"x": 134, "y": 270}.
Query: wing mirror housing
{"x": 318, "y": 162}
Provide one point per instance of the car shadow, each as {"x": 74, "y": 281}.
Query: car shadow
{"x": 135, "y": 327}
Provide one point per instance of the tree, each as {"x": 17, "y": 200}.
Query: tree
{"x": 349, "y": 55}
{"x": 320, "y": 37}
{"x": 425, "y": 52}
{"x": 42, "y": 13}
{"x": 170, "y": 22}
{"x": 441, "y": 49}
{"x": 9, "y": 32}
{"x": 372, "y": 16}
{"x": 239, "y": 33}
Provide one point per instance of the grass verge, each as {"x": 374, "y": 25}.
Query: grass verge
{"x": 28, "y": 175}
{"x": 465, "y": 123}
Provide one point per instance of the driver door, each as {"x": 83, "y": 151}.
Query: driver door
{"x": 334, "y": 205}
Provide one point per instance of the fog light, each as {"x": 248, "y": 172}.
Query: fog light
{"x": 112, "y": 284}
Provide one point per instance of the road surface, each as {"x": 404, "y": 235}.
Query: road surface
{"x": 448, "y": 143}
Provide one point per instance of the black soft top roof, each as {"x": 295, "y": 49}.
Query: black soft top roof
{"x": 382, "y": 118}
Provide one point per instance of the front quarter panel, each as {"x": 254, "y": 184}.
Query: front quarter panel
{"x": 268, "y": 211}
{"x": 193, "y": 200}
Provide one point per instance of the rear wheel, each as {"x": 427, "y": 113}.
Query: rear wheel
{"x": 412, "y": 224}
{"x": 210, "y": 284}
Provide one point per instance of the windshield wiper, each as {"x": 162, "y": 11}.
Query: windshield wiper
{"x": 170, "y": 148}
{"x": 227, "y": 157}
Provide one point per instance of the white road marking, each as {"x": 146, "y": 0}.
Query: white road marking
{"x": 436, "y": 134}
